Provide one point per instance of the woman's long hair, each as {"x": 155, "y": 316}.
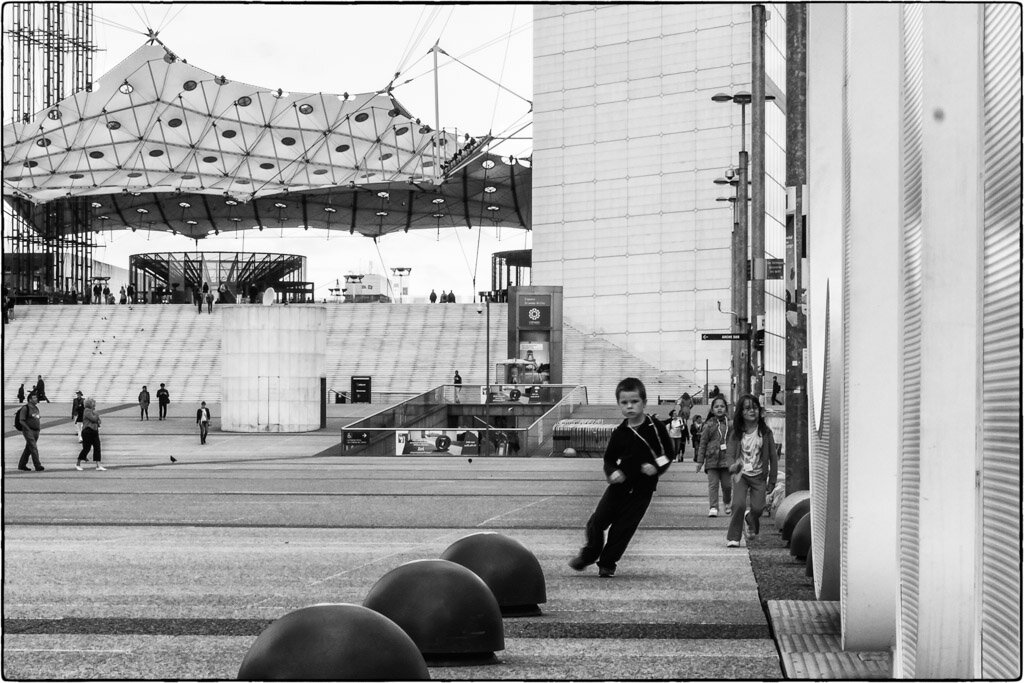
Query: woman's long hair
{"x": 739, "y": 424}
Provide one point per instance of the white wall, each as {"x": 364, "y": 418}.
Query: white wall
{"x": 627, "y": 143}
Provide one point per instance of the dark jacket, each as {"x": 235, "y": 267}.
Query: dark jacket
{"x": 708, "y": 452}
{"x": 30, "y": 417}
{"x": 199, "y": 415}
{"x": 78, "y": 408}
{"x": 163, "y": 396}
{"x": 628, "y": 450}
{"x": 769, "y": 456}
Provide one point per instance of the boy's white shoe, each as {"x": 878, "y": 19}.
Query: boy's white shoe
{"x": 732, "y": 544}
{"x": 713, "y": 512}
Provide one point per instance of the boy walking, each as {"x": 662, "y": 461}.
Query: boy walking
{"x": 637, "y": 454}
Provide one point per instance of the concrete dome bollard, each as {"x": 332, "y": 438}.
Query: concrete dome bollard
{"x": 800, "y": 509}
{"x": 447, "y": 610}
{"x": 508, "y": 568}
{"x": 339, "y": 642}
{"x": 800, "y": 541}
{"x": 787, "y": 504}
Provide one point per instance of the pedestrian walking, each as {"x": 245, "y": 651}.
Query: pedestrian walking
{"x": 77, "y": 413}
{"x": 684, "y": 405}
{"x": 457, "y": 381}
{"x": 40, "y": 390}
{"x": 754, "y": 464}
{"x": 163, "y": 398}
{"x": 203, "y": 420}
{"x": 676, "y": 430}
{"x": 695, "y": 429}
{"x": 637, "y": 454}
{"x": 775, "y": 391}
{"x": 90, "y": 437}
{"x": 433, "y": 297}
{"x": 131, "y": 294}
{"x": 451, "y": 297}
{"x": 712, "y": 456}
{"x": 444, "y": 296}
{"x": 209, "y": 299}
{"x": 144, "y": 404}
{"x": 28, "y": 416}
{"x": 122, "y": 296}
{"x": 21, "y": 393}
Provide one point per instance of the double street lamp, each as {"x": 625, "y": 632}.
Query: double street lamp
{"x": 401, "y": 272}
{"x": 739, "y": 179}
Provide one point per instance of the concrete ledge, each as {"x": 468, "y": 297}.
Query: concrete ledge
{"x": 808, "y": 634}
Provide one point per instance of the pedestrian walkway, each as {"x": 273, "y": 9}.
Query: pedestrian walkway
{"x": 170, "y": 570}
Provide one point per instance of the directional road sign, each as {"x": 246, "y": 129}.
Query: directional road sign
{"x": 724, "y": 336}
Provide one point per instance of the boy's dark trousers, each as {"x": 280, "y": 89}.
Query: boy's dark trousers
{"x": 620, "y": 510}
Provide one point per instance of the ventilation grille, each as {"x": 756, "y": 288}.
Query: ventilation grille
{"x": 910, "y": 426}
{"x": 1000, "y": 486}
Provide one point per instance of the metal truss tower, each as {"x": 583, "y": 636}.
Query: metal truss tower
{"x": 51, "y": 57}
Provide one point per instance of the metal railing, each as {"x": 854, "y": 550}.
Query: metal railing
{"x": 413, "y": 425}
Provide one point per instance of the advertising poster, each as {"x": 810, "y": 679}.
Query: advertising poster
{"x": 437, "y": 442}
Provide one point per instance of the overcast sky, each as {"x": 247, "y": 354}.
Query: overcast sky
{"x": 351, "y": 48}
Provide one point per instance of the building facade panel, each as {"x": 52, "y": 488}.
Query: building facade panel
{"x": 658, "y": 142}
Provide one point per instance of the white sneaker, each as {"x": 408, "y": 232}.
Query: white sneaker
{"x": 101, "y": 468}
{"x": 78, "y": 466}
{"x": 728, "y": 509}
{"x": 732, "y": 544}
{"x": 713, "y": 512}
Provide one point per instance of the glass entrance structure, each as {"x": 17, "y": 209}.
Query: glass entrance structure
{"x": 162, "y": 276}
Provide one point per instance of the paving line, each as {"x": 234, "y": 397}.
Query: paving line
{"x": 523, "y": 507}
{"x": 57, "y": 649}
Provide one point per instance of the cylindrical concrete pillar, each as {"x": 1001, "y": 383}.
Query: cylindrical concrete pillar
{"x": 273, "y": 358}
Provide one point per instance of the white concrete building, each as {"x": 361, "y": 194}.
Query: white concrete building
{"x": 627, "y": 144}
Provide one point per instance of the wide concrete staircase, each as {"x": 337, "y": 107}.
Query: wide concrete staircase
{"x": 109, "y": 352}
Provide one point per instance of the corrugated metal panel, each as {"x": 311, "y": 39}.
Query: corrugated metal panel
{"x": 910, "y": 426}
{"x": 843, "y": 382}
{"x": 1000, "y": 492}
{"x": 819, "y": 459}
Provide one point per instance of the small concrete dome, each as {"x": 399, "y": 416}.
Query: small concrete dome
{"x": 800, "y": 541}
{"x": 508, "y": 568}
{"x": 333, "y": 642}
{"x": 800, "y": 509}
{"x": 787, "y": 504}
{"x": 447, "y": 610}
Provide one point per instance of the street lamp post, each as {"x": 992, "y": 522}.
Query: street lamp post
{"x": 740, "y": 241}
{"x": 400, "y": 272}
{"x": 487, "y": 348}
{"x": 740, "y": 349}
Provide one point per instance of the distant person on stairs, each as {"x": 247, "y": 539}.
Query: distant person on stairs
{"x": 433, "y": 297}
{"x": 143, "y": 404}
{"x": 163, "y": 397}
{"x": 21, "y": 393}
{"x": 40, "y": 389}
{"x": 444, "y": 297}
{"x": 451, "y": 297}
{"x": 457, "y": 381}
{"x": 203, "y": 420}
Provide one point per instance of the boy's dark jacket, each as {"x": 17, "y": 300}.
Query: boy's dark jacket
{"x": 627, "y": 452}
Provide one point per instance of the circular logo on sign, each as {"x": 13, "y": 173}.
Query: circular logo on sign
{"x": 534, "y": 314}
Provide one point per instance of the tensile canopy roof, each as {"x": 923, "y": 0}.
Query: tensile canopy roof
{"x": 159, "y": 144}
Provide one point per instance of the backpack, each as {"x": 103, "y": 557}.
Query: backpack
{"x": 17, "y": 420}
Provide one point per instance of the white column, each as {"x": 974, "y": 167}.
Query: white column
{"x": 272, "y": 360}
{"x": 871, "y": 268}
{"x": 950, "y": 381}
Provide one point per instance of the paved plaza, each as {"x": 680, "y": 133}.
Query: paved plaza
{"x": 161, "y": 570}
